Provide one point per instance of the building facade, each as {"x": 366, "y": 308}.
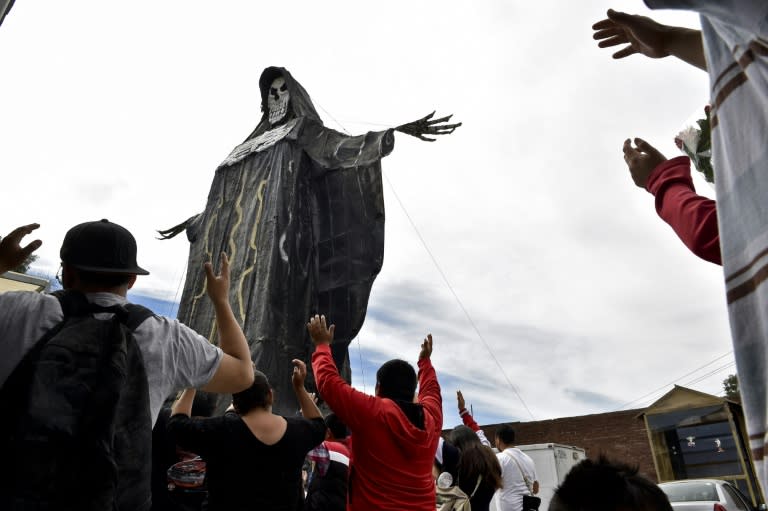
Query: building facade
{"x": 685, "y": 434}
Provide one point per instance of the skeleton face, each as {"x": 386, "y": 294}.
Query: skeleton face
{"x": 277, "y": 100}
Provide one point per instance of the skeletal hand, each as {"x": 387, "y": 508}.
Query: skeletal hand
{"x": 428, "y": 126}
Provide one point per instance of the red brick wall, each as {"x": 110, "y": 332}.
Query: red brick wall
{"x": 618, "y": 435}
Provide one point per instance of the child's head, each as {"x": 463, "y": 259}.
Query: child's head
{"x": 337, "y": 430}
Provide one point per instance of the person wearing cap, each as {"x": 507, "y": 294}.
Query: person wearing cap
{"x": 99, "y": 259}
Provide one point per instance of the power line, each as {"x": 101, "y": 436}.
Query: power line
{"x": 678, "y": 379}
{"x": 711, "y": 373}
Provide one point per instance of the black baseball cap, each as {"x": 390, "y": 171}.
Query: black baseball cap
{"x": 101, "y": 247}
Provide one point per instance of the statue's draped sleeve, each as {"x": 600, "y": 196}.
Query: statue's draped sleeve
{"x": 348, "y": 218}
{"x": 332, "y": 150}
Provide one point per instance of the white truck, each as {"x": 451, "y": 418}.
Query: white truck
{"x": 553, "y": 462}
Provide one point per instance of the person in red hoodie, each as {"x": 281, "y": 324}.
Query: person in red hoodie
{"x": 691, "y": 216}
{"x": 394, "y": 433}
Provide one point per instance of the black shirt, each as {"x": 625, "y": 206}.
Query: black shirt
{"x": 242, "y": 472}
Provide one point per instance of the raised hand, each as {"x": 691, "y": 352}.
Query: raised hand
{"x": 12, "y": 253}
{"x": 318, "y": 331}
{"x": 217, "y": 286}
{"x": 460, "y": 400}
{"x": 641, "y": 160}
{"x": 428, "y": 126}
{"x": 647, "y": 37}
{"x": 426, "y": 347}
{"x": 640, "y": 34}
{"x": 299, "y": 374}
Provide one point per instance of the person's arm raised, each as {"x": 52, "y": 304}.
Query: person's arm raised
{"x": 643, "y": 35}
{"x": 692, "y": 216}
{"x": 352, "y": 406}
{"x": 235, "y": 372}
{"x": 641, "y": 160}
{"x": 429, "y": 388}
{"x": 469, "y": 421}
{"x": 309, "y": 409}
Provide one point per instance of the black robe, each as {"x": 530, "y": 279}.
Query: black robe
{"x": 299, "y": 210}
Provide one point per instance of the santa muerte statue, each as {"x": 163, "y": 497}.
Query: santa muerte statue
{"x": 299, "y": 210}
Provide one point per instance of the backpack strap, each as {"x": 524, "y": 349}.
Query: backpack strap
{"x": 526, "y": 479}
{"x": 73, "y": 303}
{"x": 137, "y": 314}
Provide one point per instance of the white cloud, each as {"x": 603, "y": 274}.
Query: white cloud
{"x": 583, "y": 295}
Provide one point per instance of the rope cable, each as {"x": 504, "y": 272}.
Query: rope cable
{"x": 332, "y": 117}
{"x": 445, "y": 279}
{"x": 178, "y": 290}
{"x": 362, "y": 371}
{"x": 458, "y": 300}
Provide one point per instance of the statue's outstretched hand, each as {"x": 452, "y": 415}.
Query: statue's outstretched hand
{"x": 166, "y": 234}
{"x": 428, "y": 126}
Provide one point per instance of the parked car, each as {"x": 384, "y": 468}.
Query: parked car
{"x": 706, "y": 495}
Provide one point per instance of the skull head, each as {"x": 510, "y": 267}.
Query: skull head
{"x": 277, "y": 100}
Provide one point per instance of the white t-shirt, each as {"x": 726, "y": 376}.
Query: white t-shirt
{"x": 510, "y": 496}
{"x": 175, "y": 356}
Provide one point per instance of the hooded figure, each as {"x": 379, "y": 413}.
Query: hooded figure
{"x": 299, "y": 210}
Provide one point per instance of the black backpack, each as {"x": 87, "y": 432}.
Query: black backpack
{"x": 76, "y": 431}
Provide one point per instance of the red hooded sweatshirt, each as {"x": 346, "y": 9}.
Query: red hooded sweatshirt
{"x": 691, "y": 216}
{"x": 391, "y": 458}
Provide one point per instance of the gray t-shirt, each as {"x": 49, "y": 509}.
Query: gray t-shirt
{"x": 175, "y": 356}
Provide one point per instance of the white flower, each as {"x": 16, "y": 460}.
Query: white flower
{"x": 690, "y": 137}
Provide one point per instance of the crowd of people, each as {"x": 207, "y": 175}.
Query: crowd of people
{"x": 77, "y": 438}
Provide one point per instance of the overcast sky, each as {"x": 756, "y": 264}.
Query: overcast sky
{"x": 549, "y": 283}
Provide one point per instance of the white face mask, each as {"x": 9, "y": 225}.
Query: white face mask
{"x": 277, "y": 100}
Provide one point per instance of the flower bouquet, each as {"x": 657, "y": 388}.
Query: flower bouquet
{"x": 695, "y": 141}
